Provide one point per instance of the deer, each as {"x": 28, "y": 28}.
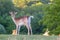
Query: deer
{"x": 46, "y": 33}
{"x": 24, "y": 20}
{"x": 14, "y": 32}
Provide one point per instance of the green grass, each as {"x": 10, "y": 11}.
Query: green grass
{"x": 26, "y": 37}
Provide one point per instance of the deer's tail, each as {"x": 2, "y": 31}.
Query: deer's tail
{"x": 29, "y": 19}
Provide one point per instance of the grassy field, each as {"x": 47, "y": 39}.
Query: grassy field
{"x": 26, "y": 37}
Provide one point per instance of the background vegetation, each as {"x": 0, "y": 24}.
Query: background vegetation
{"x": 46, "y": 15}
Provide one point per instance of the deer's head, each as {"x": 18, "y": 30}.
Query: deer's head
{"x": 12, "y": 13}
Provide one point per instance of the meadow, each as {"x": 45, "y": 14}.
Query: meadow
{"x": 28, "y": 37}
{"x": 46, "y": 16}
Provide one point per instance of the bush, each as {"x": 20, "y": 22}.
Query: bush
{"x": 2, "y": 29}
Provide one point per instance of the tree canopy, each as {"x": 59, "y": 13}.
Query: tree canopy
{"x": 51, "y": 18}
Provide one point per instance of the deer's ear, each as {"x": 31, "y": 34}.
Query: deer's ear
{"x": 10, "y": 12}
{"x": 15, "y": 12}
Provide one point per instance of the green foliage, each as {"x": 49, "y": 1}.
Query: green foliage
{"x": 9, "y": 25}
{"x": 5, "y": 20}
{"x": 5, "y": 6}
{"x": 45, "y": 16}
{"x": 52, "y": 17}
{"x": 2, "y": 29}
{"x": 36, "y": 11}
{"x": 45, "y": 1}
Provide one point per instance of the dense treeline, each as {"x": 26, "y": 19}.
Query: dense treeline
{"x": 45, "y": 15}
{"x": 52, "y": 18}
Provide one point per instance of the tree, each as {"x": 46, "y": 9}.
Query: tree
{"x": 5, "y": 20}
{"x": 6, "y": 6}
{"x": 2, "y": 29}
{"x": 52, "y": 16}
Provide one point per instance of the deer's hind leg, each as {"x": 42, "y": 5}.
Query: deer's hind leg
{"x": 28, "y": 29}
{"x": 29, "y": 25}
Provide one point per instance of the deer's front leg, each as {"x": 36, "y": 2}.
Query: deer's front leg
{"x": 28, "y": 31}
{"x": 17, "y": 29}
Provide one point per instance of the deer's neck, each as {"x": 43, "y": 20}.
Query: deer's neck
{"x": 13, "y": 18}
